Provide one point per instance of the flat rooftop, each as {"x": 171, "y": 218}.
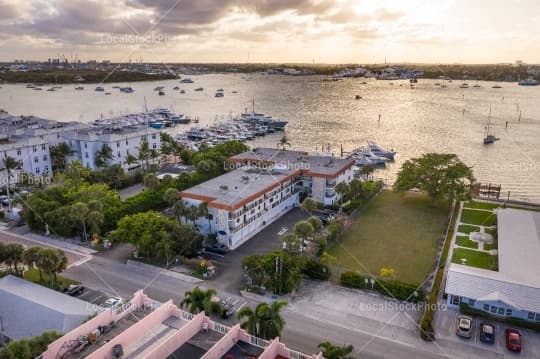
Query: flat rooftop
{"x": 314, "y": 164}
{"x": 519, "y": 245}
{"x": 197, "y": 346}
{"x": 237, "y": 187}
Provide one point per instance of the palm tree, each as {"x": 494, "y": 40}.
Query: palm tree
{"x": 130, "y": 159}
{"x": 367, "y": 170}
{"x": 309, "y": 205}
{"x": 200, "y": 300}
{"x": 59, "y": 154}
{"x": 163, "y": 249}
{"x": 203, "y": 212}
{"x": 144, "y": 153}
{"x": 179, "y": 209}
{"x": 103, "y": 156}
{"x": 79, "y": 214}
{"x": 331, "y": 351}
{"x": 31, "y": 257}
{"x": 10, "y": 164}
{"x": 151, "y": 181}
{"x": 14, "y": 255}
{"x": 265, "y": 321}
{"x": 76, "y": 172}
{"x": 284, "y": 141}
{"x": 343, "y": 189}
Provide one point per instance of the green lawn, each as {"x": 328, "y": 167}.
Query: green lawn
{"x": 480, "y": 218}
{"x": 464, "y": 241}
{"x": 475, "y": 258}
{"x": 465, "y": 228}
{"x": 398, "y": 231}
{"x": 481, "y": 205}
{"x": 62, "y": 282}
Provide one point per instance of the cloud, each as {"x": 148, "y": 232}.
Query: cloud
{"x": 8, "y": 11}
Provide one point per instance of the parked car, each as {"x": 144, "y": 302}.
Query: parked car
{"x": 113, "y": 302}
{"x": 513, "y": 340}
{"x": 220, "y": 249}
{"x": 464, "y": 326}
{"x": 487, "y": 333}
{"x": 74, "y": 290}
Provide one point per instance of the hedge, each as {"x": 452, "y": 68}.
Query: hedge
{"x": 391, "y": 288}
{"x": 314, "y": 269}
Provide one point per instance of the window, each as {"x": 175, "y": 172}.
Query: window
{"x": 86, "y": 154}
{"x": 486, "y": 307}
{"x": 85, "y": 145}
{"x": 45, "y": 158}
{"x": 493, "y": 309}
{"x": 18, "y": 151}
{"x": 127, "y": 143}
{"x": 154, "y": 146}
{"x": 537, "y": 317}
{"x": 118, "y": 154}
{"x": 471, "y": 302}
{"x": 37, "y": 170}
{"x": 43, "y": 147}
{"x": 34, "y": 148}
{"x": 36, "y": 160}
{"x": 117, "y": 144}
{"x": 531, "y": 316}
{"x": 500, "y": 311}
{"x": 153, "y": 136}
{"x": 508, "y": 312}
{"x": 456, "y": 299}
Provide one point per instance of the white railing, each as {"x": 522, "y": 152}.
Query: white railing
{"x": 293, "y": 354}
{"x": 220, "y": 328}
{"x": 186, "y": 315}
{"x": 258, "y": 342}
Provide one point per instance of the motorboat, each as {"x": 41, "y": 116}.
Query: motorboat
{"x": 379, "y": 151}
{"x": 464, "y": 86}
{"x": 161, "y": 93}
{"x": 528, "y": 82}
{"x": 219, "y": 94}
{"x": 199, "y": 89}
{"x": 99, "y": 89}
{"x": 126, "y": 89}
{"x": 182, "y": 91}
{"x": 496, "y": 87}
{"x": 476, "y": 86}
{"x": 79, "y": 88}
{"x": 187, "y": 80}
{"x": 176, "y": 88}
{"x": 158, "y": 88}
{"x": 197, "y": 134}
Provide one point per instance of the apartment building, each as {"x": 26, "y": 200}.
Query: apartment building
{"x": 144, "y": 328}
{"x": 265, "y": 185}
{"x": 121, "y": 140}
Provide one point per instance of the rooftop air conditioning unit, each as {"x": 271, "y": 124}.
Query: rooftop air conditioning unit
{"x": 224, "y": 187}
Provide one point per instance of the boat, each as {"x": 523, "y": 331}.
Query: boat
{"x": 197, "y": 134}
{"x": 219, "y": 90}
{"x": 235, "y": 92}
{"x": 127, "y": 89}
{"x": 489, "y": 137}
{"x": 116, "y": 87}
{"x": 187, "y": 80}
{"x": 161, "y": 93}
{"x": 79, "y": 88}
{"x": 51, "y": 89}
{"x": 29, "y": 86}
{"x": 464, "y": 86}
{"x": 476, "y": 86}
{"x": 261, "y": 119}
{"x": 414, "y": 80}
{"x": 182, "y": 91}
{"x": 158, "y": 88}
{"x": 364, "y": 156}
{"x": 107, "y": 93}
{"x": 219, "y": 94}
{"x": 379, "y": 151}
{"x": 528, "y": 82}
{"x": 199, "y": 89}
{"x": 176, "y": 88}
{"x": 496, "y": 87}
{"x": 37, "y": 88}
{"x": 358, "y": 97}
{"x": 180, "y": 119}
{"x": 99, "y": 89}
{"x": 156, "y": 124}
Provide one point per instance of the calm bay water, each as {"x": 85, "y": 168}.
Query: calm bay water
{"x": 412, "y": 122}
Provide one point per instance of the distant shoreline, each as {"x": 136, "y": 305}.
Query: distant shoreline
{"x": 79, "y": 77}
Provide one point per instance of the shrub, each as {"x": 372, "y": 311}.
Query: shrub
{"x": 391, "y": 288}
{"x": 314, "y": 269}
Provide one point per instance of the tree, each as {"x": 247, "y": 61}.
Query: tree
{"x": 292, "y": 244}
{"x": 367, "y": 170}
{"x": 59, "y": 154}
{"x": 14, "y": 255}
{"x": 284, "y": 141}
{"x": 441, "y": 176}
{"x": 151, "y": 181}
{"x": 202, "y": 210}
{"x": 265, "y": 321}
{"x": 144, "y": 154}
{"x": 28, "y": 348}
{"x": 316, "y": 223}
{"x": 130, "y": 159}
{"x": 331, "y": 351}
{"x": 303, "y": 229}
{"x": 10, "y": 165}
{"x": 52, "y": 261}
{"x": 103, "y": 156}
{"x": 343, "y": 189}
{"x": 31, "y": 258}
{"x": 79, "y": 215}
{"x": 76, "y": 173}
{"x": 309, "y": 205}
{"x": 200, "y": 300}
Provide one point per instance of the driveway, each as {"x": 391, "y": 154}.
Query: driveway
{"x": 230, "y": 275}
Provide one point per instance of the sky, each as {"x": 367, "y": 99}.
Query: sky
{"x": 272, "y": 31}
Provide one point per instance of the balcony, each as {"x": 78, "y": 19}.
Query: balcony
{"x": 330, "y": 193}
{"x": 331, "y": 183}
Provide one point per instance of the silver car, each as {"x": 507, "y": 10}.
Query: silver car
{"x": 464, "y": 326}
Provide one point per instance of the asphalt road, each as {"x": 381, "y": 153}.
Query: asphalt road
{"x": 301, "y": 333}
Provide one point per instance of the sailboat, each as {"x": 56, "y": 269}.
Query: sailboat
{"x": 489, "y": 137}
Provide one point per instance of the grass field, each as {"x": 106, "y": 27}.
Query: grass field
{"x": 481, "y": 205}
{"x": 464, "y": 241}
{"x": 475, "y": 258}
{"x": 398, "y": 231}
{"x": 62, "y": 282}
{"x": 465, "y": 228}
{"x": 480, "y": 218}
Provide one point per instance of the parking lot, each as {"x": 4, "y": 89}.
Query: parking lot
{"x": 230, "y": 275}
{"x": 446, "y": 331}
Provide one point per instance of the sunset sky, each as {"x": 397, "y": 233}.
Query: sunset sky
{"x": 324, "y": 31}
